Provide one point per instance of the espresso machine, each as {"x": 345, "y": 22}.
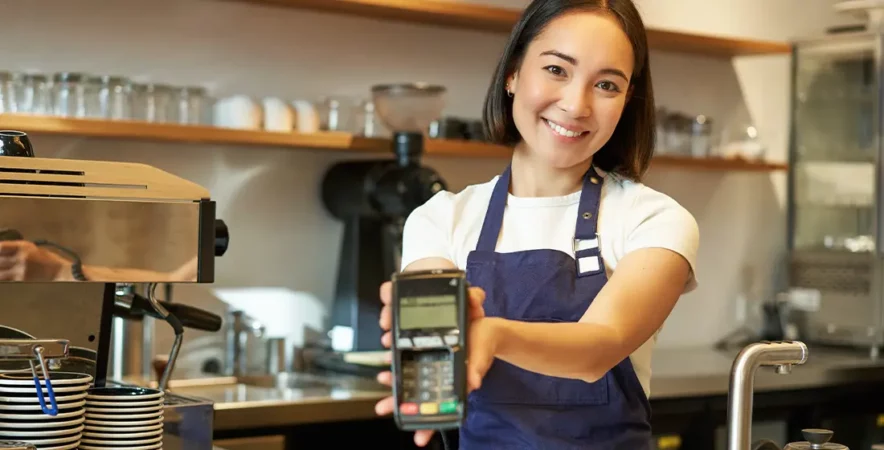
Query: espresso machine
{"x": 373, "y": 198}
{"x": 75, "y": 237}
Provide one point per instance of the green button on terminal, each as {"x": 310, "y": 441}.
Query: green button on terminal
{"x": 448, "y": 408}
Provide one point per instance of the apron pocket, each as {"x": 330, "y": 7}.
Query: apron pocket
{"x": 506, "y": 383}
{"x": 509, "y": 384}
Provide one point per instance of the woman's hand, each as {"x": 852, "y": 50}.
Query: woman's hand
{"x": 480, "y": 353}
{"x": 24, "y": 261}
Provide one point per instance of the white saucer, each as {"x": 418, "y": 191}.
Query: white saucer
{"x": 124, "y": 423}
{"x": 59, "y": 440}
{"x": 42, "y": 424}
{"x": 100, "y": 404}
{"x": 156, "y": 446}
{"x": 57, "y": 379}
{"x": 33, "y": 389}
{"x": 34, "y": 399}
{"x": 142, "y": 429}
{"x": 41, "y": 417}
{"x": 122, "y": 417}
{"x": 122, "y": 436}
{"x": 122, "y": 442}
{"x": 26, "y": 435}
{"x": 72, "y": 446}
{"x": 36, "y": 406}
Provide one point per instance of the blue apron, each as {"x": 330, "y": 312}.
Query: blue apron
{"x": 518, "y": 409}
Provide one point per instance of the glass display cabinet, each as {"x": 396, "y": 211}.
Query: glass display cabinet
{"x": 834, "y": 195}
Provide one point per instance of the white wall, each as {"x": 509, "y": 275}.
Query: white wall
{"x": 281, "y": 235}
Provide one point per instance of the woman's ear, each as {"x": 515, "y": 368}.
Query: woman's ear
{"x": 511, "y": 83}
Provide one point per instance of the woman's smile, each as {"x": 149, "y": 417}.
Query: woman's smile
{"x": 565, "y": 133}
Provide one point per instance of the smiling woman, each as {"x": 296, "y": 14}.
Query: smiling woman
{"x": 575, "y": 264}
{"x": 579, "y": 72}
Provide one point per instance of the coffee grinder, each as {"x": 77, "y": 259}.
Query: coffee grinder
{"x": 373, "y": 198}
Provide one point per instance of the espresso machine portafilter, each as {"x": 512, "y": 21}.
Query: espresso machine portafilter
{"x": 78, "y": 232}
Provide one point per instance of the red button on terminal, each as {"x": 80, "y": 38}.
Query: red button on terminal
{"x": 408, "y": 408}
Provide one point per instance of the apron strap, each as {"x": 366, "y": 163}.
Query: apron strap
{"x": 494, "y": 215}
{"x": 587, "y": 249}
{"x": 586, "y": 241}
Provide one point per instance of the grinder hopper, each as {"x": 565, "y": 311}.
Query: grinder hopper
{"x": 408, "y": 110}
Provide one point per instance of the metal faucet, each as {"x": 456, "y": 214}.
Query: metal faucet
{"x": 241, "y": 328}
{"x": 782, "y": 355}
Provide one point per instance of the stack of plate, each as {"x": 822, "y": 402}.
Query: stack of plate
{"x": 22, "y": 419}
{"x": 123, "y": 417}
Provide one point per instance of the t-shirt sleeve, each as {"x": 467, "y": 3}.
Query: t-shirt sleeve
{"x": 658, "y": 221}
{"x": 427, "y": 230}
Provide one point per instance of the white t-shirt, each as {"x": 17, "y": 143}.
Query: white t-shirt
{"x": 631, "y": 216}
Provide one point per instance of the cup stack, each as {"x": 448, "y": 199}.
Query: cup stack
{"x": 23, "y": 420}
{"x": 123, "y": 417}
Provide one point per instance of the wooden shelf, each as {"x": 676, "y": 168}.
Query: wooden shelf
{"x": 501, "y": 20}
{"x": 714, "y": 163}
{"x": 144, "y": 131}
{"x": 345, "y": 142}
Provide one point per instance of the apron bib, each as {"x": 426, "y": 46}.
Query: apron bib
{"x": 518, "y": 409}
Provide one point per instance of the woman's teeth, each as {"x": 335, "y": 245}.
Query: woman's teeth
{"x": 564, "y": 131}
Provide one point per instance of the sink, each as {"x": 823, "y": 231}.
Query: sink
{"x": 294, "y": 380}
{"x": 286, "y": 381}
{"x": 313, "y": 381}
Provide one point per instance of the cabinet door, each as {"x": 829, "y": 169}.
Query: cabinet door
{"x": 835, "y": 145}
{"x": 834, "y": 188}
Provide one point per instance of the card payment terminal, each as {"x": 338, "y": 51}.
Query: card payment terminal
{"x": 429, "y": 349}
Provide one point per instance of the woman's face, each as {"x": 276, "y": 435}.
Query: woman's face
{"x": 571, "y": 88}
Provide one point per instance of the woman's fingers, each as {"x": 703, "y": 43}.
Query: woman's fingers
{"x": 385, "y": 406}
{"x": 386, "y": 378}
{"x": 386, "y": 319}
{"x": 386, "y": 292}
{"x": 477, "y": 300}
{"x": 422, "y": 437}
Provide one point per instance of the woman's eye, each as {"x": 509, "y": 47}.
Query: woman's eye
{"x": 555, "y": 70}
{"x": 608, "y": 86}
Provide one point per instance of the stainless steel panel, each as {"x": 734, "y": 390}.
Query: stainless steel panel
{"x": 116, "y": 240}
{"x": 123, "y": 222}
{"x": 54, "y": 311}
{"x": 57, "y": 311}
{"x": 188, "y": 423}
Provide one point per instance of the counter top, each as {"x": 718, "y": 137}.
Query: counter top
{"x": 676, "y": 373}
{"x": 679, "y": 373}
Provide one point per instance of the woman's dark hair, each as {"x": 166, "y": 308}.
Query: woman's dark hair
{"x": 629, "y": 150}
